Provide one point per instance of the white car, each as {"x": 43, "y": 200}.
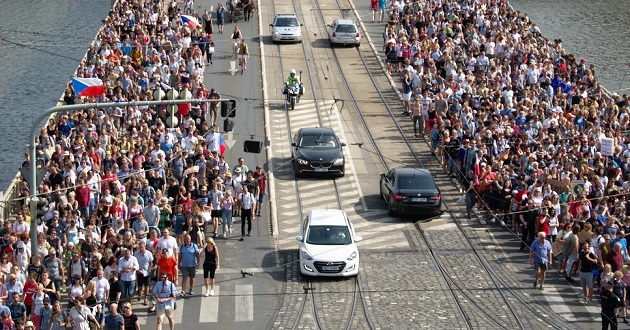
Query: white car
{"x": 286, "y": 28}
{"x": 328, "y": 244}
{"x": 344, "y": 32}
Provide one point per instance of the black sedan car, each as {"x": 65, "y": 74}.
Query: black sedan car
{"x": 317, "y": 151}
{"x": 410, "y": 191}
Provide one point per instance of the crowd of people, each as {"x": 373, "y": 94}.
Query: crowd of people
{"x": 521, "y": 123}
{"x": 134, "y": 200}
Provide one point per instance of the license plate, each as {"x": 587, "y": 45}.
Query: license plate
{"x": 321, "y": 170}
{"x": 329, "y": 268}
{"x": 418, "y": 199}
{"x": 287, "y": 38}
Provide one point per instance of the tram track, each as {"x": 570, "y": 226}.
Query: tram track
{"x": 473, "y": 298}
{"x": 313, "y": 306}
{"x": 468, "y": 305}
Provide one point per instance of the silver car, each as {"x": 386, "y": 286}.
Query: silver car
{"x": 286, "y": 28}
{"x": 344, "y": 32}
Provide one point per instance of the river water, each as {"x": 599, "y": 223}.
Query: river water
{"x": 41, "y": 44}
{"x": 43, "y": 41}
{"x": 597, "y": 30}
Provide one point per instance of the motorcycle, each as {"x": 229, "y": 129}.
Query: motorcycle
{"x": 293, "y": 93}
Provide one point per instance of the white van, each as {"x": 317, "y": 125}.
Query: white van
{"x": 328, "y": 244}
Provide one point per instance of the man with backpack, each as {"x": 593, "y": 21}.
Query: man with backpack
{"x": 165, "y": 292}
{"x": 189, "y": 258}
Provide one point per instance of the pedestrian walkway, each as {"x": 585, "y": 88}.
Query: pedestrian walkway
{"x": 231, "y": 303}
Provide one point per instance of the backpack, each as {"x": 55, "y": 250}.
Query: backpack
{"x": 566, "y": 248}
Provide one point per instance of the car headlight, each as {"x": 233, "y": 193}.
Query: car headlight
{"x": 302, "y": 162}
{"x": 338, "y": 161}
{"x": 352, "y": 256}
{"x": 276, "y": 33}
{"x": 306, "y": 256}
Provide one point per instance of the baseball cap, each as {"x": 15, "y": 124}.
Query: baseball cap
{"x": 150, "y": 201}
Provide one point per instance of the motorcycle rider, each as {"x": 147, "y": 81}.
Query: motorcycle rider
{"x": 292, "y": 80}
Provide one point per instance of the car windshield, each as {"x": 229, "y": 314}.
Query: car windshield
{"x": 286, "y": 21}
{"x": 328, "y": 235}
{"x": 318, "y": 141}
{"x": 346, "y": 28}
{"x": 415, "y": 182}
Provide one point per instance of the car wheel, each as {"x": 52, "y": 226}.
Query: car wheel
{"x": 390, "y": 209}
{"x": 296, "y": 173}
{"x": 380, "y": 191}
{"x": 357, "y": 45}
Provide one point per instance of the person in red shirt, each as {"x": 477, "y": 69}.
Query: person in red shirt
{"x": 615, "y": 258}
{"x": 83, "y": 198}
{"x": 167, "y": 264}
{"x": 542, "y": 223}
{"x": 30, "y": 288}
{"x": 107, "y": 178}
{"x": 261, "y": 178}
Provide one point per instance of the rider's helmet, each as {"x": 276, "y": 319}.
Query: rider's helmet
{"x": 292, "y": 72}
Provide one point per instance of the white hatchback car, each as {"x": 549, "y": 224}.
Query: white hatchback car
{"x": 286, "y": 28}
{"x": 344, "y": 32}
{"x": 328, "y": 244}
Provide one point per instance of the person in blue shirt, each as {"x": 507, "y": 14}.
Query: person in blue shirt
{"x": 167, "y": 146}
{"x": 382, "y": 6}
{"x": 165, "y": 292}
{"x": 189, "y": 258}
{"x": 540, "y": 256}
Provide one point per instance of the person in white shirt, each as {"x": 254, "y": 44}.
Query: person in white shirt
{"x": 248, "y": 210}
{"x": 127, "y": 267}
{"x": 102, "y": 292}
{"x": 145, "y": 262}
{"x": 216, "y": 196}
{"x": 213, "y": 139}
{"x": 167, "y": 242}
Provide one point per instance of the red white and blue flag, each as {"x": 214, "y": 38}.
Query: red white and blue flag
{"x": 88, "y": 86}
{"x": 190, "y": 21}
{"x": 222, "y": 145}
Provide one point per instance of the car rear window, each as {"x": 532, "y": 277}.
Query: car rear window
{"x": 328, "y": 235}
{"x": 415, "y": 182}
{"x": 346, "y": 28}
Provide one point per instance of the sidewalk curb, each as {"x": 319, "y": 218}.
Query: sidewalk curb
{"x": 272, "y": 186}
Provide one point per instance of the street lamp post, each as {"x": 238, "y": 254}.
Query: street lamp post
{"x": 45, "y": 114}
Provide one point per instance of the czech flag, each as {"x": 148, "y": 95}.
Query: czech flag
{"x": 222, "y": 146}
{"x": 88, "y": 86}
{"x": 190, "y": 21}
